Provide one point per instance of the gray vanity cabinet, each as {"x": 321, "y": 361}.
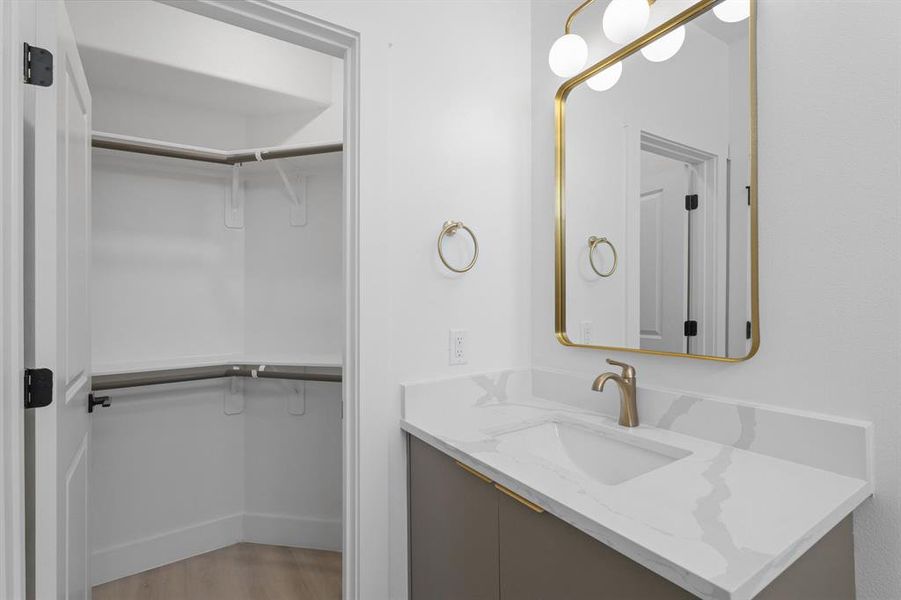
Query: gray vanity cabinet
{"x": 471, "y": 540}
{"x": 453, "y": 529}
{"x": 544, "y": 558}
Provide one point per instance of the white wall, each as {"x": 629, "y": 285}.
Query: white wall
{"x": 829, "y": 240}
{"x": 168, "y": 276}
{"x": 293, "y": 313}
{"x": 445, "y": 120}
{"x": 293, "y": 274}
{"x": 292, "y": 465}
{"x": 167, "y": 477}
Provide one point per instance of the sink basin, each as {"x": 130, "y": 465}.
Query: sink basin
{"x": 608, "y": 457}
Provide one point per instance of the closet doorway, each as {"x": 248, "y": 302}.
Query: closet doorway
{"x": 195, "y": 244}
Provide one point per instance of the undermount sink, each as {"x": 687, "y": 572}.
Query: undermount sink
{"x": 607, "y": 457}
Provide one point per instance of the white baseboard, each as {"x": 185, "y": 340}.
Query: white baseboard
{"x": 141, "y": 555}
{"x": 122, "y": 560}
{"x": 299, "y": 532}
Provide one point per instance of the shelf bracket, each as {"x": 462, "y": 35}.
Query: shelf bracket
{"x": 234, "y": 206}
{"x": 298, "y": 195}
{"x": 296, "y": 399}
{"x": 233, "y": 401}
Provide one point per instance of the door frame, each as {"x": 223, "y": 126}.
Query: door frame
{"x": 267, "y": 18}
{"x": 12, "y": 289}
{"x": 706, "y": 247}
{"x": 262, "y": 17}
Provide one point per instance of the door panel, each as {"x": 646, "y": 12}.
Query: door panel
{"x": 77, "y": 534}
{"x": 664, "y": 237}
{"x": 76, "y": 179}
{"x": 651, "y": 219}
{"x": 61, "y": 251}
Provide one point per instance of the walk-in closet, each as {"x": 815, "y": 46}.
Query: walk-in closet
{"x": 216, "y": 308}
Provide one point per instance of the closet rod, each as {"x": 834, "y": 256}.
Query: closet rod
{"x": 154, "y": 148}
{"x": 115, "y": 381}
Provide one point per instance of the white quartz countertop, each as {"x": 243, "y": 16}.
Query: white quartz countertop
{"x": 720, "y": 522}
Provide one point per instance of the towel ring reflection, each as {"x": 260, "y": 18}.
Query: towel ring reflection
{"x": 594, "y": 242}
{"x": 450, "y": 228}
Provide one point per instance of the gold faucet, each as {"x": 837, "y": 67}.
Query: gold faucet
{"x": 628, "y": 408}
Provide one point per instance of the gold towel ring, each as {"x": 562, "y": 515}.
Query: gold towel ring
{"x": 594, "y": 242}
{"x": 450, "y": 228}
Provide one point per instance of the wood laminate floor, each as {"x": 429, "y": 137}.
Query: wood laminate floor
{"x": 240, "y": 572}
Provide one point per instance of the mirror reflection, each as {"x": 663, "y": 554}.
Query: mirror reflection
{"x": 657, "y": 197}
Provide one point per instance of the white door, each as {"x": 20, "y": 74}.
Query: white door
{"x": 61, "y": 238}
{"x": 663, "y": 237}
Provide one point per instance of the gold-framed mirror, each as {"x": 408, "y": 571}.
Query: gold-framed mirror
{"x": 656, "y": 192}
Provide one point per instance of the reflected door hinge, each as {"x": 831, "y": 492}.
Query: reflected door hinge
{"x": 691, "y": 202}
{"x": 748, "y": 190}
{"x": 748, "y": 330}
{"x": 691, "y": 328}
{"x": 37, "y": 66}
{"x": 38, "y": 388}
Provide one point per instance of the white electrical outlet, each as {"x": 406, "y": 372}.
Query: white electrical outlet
{"x": 457, "y": 347}
{"x": 587, "y": 330}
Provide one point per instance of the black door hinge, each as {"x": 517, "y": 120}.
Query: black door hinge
{"x": 103, "y": 401}
{"x": 748, "y": 190}
{"x": 38, "y": 388}
{"x": 748, "y": 330}
{"x": 38, "y": 66}
{"x": 691, "y": 328}
{"x": 691, "y": 202}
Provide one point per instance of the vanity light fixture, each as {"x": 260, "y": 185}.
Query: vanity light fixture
{"x": 607, "y": 78}
{"x": 733, "y": 11}
{"x": 666, "y": 47}
{"x": 625, "y": 20}
{"x": 568, "y": 55}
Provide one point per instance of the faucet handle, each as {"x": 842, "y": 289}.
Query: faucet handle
{"x": 628, "y": 370}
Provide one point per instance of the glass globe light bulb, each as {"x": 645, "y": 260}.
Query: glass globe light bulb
{"x": 625, "y": 20}
{"x": 607, "y": 78}
{"x": 665, "y": 47}
{"x": 733, "y": 11}
{"x": 568, "y": 55}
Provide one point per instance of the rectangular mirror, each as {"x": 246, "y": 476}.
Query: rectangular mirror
{"x": 656, "y": 235}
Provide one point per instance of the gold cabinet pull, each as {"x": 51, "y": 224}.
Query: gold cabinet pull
{"x": 472, "y": 471}
{"x": 519, "y": 498}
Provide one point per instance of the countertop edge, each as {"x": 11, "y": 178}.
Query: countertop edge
{"x": 780, "y": 563}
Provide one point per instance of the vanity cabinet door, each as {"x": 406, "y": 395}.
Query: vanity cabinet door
{"x": 544, "y": 558}
{"x": 453, "y": 529}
